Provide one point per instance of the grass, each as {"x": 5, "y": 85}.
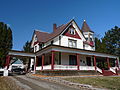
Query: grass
{"x": 7, "y": 84}
{"x": 112, "y": 83}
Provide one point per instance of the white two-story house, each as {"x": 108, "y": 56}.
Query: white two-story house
{"x": 70, "y": 48}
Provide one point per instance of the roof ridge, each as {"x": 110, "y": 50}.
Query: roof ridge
{"x": 42, "y": 31}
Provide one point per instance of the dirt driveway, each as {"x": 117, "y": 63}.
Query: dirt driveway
{"x": 32, "y": 84}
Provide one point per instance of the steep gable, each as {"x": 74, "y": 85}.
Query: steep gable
{"x": 71, "y": 32}
{"x": 43, "y": 37}
{"x": 78, "y": 33}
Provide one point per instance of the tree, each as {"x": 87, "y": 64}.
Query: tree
{"x": 5, "y": 42}
{"x": 27, "y": 48}
{"x": 112, "y": 41}
{"x": 100, "y": 45}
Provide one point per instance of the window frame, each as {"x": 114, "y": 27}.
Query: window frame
{"x": 72, "y": 42}
{"x": 72, "y": 31}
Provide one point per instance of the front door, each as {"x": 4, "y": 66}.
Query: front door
{"x": 72, "y": 60}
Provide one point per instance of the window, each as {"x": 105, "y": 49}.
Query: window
{"x": 52, "y": 42}
{"x": 72, "y": 43}
{"x": 72, "y": 31}
{"x": 90, "y": 39}
{"x": 35, "y": 48}
{"x": 41, "y": 45}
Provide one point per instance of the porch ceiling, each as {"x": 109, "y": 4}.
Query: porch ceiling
{"x": 73, "y": 50}
{"x": 20, "y": 53}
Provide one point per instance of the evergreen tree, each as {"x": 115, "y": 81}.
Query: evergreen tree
{"x": 112, "y": 41}
{"x": 100, "y": 45}
{"x": 27, "y": 48}
{"x": 5, "y": 42}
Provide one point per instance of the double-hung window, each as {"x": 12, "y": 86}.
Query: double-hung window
{"x": 72, "y": 43}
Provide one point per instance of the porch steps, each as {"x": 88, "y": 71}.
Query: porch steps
{"x": 108, "y": 73}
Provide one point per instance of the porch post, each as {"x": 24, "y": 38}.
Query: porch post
{"x": 43, "y": 57}
{"x": 108, "y": 62}
{"x": 95, "y": 62}
{"x": 7, "y": 62}
{"x": 36, "y": 60}
{"x": 35, "y": 64}
{"x": 52, "y": 62}
{"x": 78, "y": 61}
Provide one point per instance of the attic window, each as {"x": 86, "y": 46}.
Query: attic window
{"x": 72, "y": 31}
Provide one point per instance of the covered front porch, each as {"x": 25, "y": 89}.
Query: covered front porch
{"x": 63, "y": 58}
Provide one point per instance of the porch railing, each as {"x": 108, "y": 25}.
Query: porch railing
{"x": 68, "y": 67}
{"x": 113, "y": 69}
{"x": 98, "y": 69}
{"x": 38, "y": 68}
{"x": 46, "y": 67}
{"x": 87, "y": 68}
{"x": 65, "y": 67}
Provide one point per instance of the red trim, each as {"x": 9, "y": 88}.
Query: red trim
{"x": 91, "y": 43}
{"x": 95, "y": 62}
{"x": 36, "y": 61}
{"x": 36, "y": 42}
{"x": 7, "y": 61}
{"x": 67, "y": 33}
{"x": 108, "y": 62}
{"x": 42, "y": 61}
{"x": 52, "y": 58}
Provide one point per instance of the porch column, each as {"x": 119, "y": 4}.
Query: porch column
{"x": 43, "y": 57}
{"x": 108, "y": 62}
{"x": 7, "y": 62}
{"x": 35, "y": 64}
{"x": 52, "y": 62}
{"x": 36, "y": 60}
{"x": 95, "y": 62}
{"x": 78, "y": 62}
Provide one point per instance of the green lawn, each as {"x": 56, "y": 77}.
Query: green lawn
{"x": 7, "y": 84}
{"x": 100, "y": 82}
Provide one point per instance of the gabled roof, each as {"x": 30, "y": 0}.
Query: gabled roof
{"x": 44, "y": 37}
{"x": 41, "y": 36}
{"x": 85, "y": 27}
{"x": 17, "y": 62}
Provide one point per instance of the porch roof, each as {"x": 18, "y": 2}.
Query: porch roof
{"x": 73, "y": 50}
{"x": 20, "y": 53}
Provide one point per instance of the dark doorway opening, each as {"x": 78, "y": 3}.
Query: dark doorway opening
{"x": 101, "y": 62}
{"x": 88, "y": 60}
{"x": 72, "y": 60}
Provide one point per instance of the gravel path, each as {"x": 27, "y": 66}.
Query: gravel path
{"x": 33, "y": 84}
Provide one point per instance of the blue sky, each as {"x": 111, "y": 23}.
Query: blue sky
{"x": 24, "y": 16}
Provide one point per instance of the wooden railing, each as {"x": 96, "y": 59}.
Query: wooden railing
{"x": 65, "y": 67}
{"x": 87, "y": 68}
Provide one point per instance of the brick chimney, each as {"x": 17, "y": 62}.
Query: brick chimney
{"x": 54, "y": 27}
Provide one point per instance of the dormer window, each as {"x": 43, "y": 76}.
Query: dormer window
{"x": 72, "y": 31}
